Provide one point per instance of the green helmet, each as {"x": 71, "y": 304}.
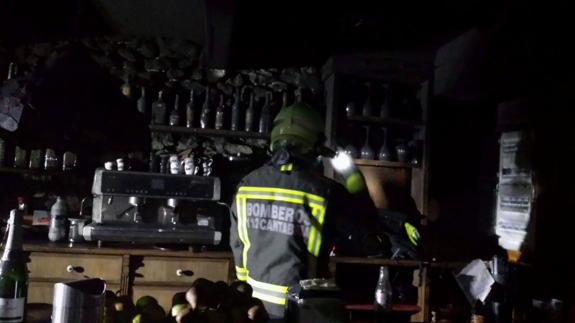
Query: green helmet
{"x": 297, "y": 126}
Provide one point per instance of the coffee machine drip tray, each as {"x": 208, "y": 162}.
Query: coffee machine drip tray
{"x": 189, "y": 234}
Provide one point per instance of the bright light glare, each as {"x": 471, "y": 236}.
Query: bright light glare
{"x": 342, "y": 162}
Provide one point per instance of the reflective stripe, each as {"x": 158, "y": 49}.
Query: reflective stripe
{"x": 269, "y": 298}
{"x": 281, "y": 191}
{"x": 286, "y": 167}
{"x": 243, "y": 228}
{"x": 241, "y": 273}
{"x": 270, "y": 287}
{"x": 292, "y": 196}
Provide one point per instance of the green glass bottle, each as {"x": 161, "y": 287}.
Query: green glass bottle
{"x": 13, "y": 273}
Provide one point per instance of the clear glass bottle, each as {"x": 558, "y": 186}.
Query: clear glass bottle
{"x": 13, "y": 272}
{"x": 220, "y": 114}
{"x": 159, "y": 110}
{"x": 250, "y": 114}
{"x": 383, "y": 291}
{"x": 141, "y": 103}
{"x": 58, "y": 220}
{"x": 265, "y": 115}
{"x": 206, "y": 111}
{"x": 190, "y": 111}
{"x": 236, "y": 109}
{"x": 175, "y": 114}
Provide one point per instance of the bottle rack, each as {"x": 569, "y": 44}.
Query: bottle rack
{"x": 208, "y": 132}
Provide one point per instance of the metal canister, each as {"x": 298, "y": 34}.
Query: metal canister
{"x": 79, "y": 301}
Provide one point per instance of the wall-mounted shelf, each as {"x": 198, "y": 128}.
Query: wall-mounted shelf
{"x": 391, "y": 122}
{"x": 209, "y": 132}
{"x": 381, "y": 163}
{"x": 29, "y": 171}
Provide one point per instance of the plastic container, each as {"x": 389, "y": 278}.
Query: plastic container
{"x": 58, "y": 220}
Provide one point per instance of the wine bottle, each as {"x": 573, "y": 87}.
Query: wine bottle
{"x": 13, "y": 273}
{"x": 205, "y": 117}
{"x": 383, "y": 292}
{"x": 235, "y": 123}
{"x": 159, "y": 110}
{"x": 175, "y": 114}
{"x": 220, "y": 114}
{"x": 265, "y": 115}
{"x": 250, "y": 114}
{"x": 190, "y": 111}
{"x": 141, "y": 104}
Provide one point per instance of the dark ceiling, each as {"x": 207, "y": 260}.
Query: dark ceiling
{"x": 246, "y": 33}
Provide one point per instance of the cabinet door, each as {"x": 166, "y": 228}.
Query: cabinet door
{"x": 181, "y": 270}
{"x": 60, "y": 267}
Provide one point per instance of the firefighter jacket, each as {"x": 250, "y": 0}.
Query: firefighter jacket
{"x": 282, "y": 227}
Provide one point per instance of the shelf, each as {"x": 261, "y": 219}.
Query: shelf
{"x": 381, "y": 163}
{"x": 412, "y": 308}
{"x": 28, "y": 171}
{"x": 410, "y": 263}
{"x": 393, "y": 122}
{"x": 209, "y": 132}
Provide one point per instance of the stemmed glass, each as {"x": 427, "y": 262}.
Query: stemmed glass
{"x": 384, "y": 152}
{"x": 366, "y": 151}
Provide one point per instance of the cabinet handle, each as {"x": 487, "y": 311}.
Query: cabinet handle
{"x": 182, "y": 272}
{"x": 74, "y": 269}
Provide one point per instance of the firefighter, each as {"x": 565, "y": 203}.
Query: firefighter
{"x": 286, "y": 215}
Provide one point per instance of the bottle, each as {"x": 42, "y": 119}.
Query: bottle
{"x": 236, "y": 108}
{"x": 383, "y": 292}
{"x": 250, "y": 114}
{"x": 13, "y": 273}
{"x": 141, "y": 103}
{"x": 22, "y": 206}
{"x": 159, "y": 110}
{"x": 220, "y": 114}
{"x": 190, "y": 110}
{"x": 175, "y": 114}
{"x": 265, "y": 115}
{"x": 367, "y": 109}
{"x": 285, "y": 99}
{"x": 57, "y": 230}
{"x": 11, "y": 71}
{"x": 205, "y": 117}
{"x": 126, "y": 88}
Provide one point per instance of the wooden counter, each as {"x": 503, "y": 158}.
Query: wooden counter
{"x": 127, "y": 269}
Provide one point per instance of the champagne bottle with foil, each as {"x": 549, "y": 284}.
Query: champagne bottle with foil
{"x": 250, "y": 114}
{"x": 13, "y": 273}
{"x": 190, "y": 111}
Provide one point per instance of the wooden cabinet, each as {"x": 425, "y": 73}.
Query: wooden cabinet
{"x": 133, "y": 272}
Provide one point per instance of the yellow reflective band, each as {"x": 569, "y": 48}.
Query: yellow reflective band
{"x": 272, "y": 198}
{"x": 243, "y": 212}
{"x": 281, "y": 191}
{"x": 269, "y": 298}
{"x": 412, "y": 233}
{"x": 289, "y": 167}
{"x": 271, "y": 287}
{"x": 241, "y": 270}
{"x": 240, "y": 277}
{"x": 283, "y": 168}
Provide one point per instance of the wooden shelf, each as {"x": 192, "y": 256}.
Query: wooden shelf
{"x": 392, "y": 122}
{"x": 381, "y": 163}
{"x": 28, "y": 171}
{"x": 209, "y": 132}
{"x": 397, "y": 262}
{"x": 412, "y": 308}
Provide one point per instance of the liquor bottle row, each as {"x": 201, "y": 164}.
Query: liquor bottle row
{"x": 242, "y": 115}
{"x": 46, "y": 159}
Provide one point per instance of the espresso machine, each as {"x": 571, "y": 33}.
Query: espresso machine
{"x": 152, "y": 208}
